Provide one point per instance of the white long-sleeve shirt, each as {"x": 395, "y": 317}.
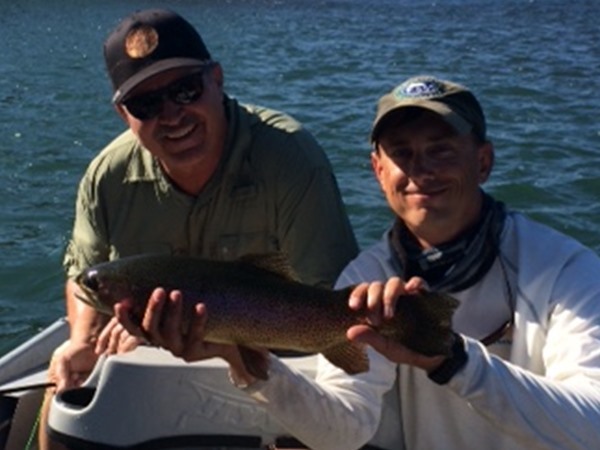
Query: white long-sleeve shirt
{"x": 538, "y": 387}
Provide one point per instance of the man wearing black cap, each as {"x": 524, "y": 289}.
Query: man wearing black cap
{"x": 196, "y": 173}
{"x": 524, "y": 370}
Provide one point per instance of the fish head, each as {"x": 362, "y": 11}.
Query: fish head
{"x": 102, "y": 289}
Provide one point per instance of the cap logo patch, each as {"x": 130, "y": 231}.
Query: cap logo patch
{"x": 422, "y": 89}
{"x": 141, "y": 42}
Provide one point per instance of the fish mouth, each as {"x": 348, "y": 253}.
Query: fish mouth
{"x": 90, "y": 298}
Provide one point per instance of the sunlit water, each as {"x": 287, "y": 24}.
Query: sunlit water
{"x": 534, "y": 66}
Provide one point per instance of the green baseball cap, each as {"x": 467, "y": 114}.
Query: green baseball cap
{"x": 455, "y": 103}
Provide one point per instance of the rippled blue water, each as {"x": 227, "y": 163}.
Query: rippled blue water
{"x": 533, "y": 64}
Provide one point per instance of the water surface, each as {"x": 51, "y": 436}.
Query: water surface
{"x": 533, "y": 64}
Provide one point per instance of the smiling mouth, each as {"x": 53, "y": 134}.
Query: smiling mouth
{"x": 428, "y": 193}
{"x": 180, "y": 132}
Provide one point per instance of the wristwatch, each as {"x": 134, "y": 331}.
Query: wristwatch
{"x": 452, "y": 364}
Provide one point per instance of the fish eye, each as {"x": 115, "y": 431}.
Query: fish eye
{"x": 91, "y": 280}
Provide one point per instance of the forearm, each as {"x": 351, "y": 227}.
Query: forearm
{"x": 337, "y": 411}
{"x": 547, "y": 413}
{"x": 85, "y": 322}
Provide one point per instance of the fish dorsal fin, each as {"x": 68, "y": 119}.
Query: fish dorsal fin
{"x": 275, "y": 262}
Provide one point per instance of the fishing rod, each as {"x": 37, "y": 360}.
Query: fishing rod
{"x": 26, "y": 387}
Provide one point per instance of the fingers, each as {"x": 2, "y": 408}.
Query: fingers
{"x": 393, "y": 351}
{"x": 416, "y": 285}
{"x": 61, "y": 374}
{"x": 361, "y": 334}
{"x": 173, "y": 336}
{"x": 164, "y": 321}
{"x": 153, "y": 314}
{"x": 194, "y": 347}
{"x": 106, "y": 341}
{"x": 70, "y": 365}
{"x": 122, "y": 314}
{"x": 110, "y": 337}
{"x": 115, "y": 338}
{"x": 165, "y": 324}
{"x": 150, "y": 326}
{"x": 198, "y": 324}
{"x": 375, "y": 293}
{"x": 358, "y": 296}
{"x": 392, "y": 290}
{"x": 189, "y": 342}
{"x": 379, "y": 298}
{"x": 171, "y": 322}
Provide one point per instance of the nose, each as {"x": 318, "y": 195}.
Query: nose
{"x": 420, "y": 165}
{"x": 170, "y": 111}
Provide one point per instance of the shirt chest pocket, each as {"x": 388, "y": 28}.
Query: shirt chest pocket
{"x": 228, "y": 246}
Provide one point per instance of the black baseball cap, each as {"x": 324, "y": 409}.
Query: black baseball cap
{"x": 147, "y": 43}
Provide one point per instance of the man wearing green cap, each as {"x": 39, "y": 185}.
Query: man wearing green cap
{"x": 524, "y": 371}
{"x": 197, "y": 173}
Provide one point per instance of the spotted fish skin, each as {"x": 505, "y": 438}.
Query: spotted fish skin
{"x": 256, "y": 302}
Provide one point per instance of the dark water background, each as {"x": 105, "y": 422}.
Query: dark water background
{"x": 535, "y": 66}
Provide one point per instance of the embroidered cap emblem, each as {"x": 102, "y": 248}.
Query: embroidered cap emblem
{"x": 141, "y": 42}
{"x": 420, "y": 89}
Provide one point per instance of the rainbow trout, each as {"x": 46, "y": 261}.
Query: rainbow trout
{"x": 256, "y": 301}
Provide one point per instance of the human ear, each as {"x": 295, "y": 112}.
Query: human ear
{"x": 122, "y": 113}
{"x": 377, "y": 166}
{"x": 486, "y": 158}
{"x": 217, "y": 74}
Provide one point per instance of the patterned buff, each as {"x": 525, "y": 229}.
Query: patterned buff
{"x": 456, "y": 265}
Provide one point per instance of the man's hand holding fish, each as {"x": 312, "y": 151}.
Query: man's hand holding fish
{"x": 115, "y": 339}
{"x": 163, "y": 325}
{"x": 380, "y": 299}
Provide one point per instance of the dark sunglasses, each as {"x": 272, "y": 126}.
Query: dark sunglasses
{"x": 183, "y": 91}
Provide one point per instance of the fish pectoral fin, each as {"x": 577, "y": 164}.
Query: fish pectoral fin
{"x": 349, "y": 357}
{"x": 256, "y": 363}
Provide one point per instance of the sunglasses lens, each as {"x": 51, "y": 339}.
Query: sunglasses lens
{"x": 144, "y": 107}
{"x": 182, "y": 92}
{"x": 187, "y": 90}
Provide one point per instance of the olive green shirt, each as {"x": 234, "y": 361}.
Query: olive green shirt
{"x": 274, "y": 191}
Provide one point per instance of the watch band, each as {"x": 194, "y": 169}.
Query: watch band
{"x": 452, "y": 364}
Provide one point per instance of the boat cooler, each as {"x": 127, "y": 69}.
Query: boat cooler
{"x": 148, "y": 399}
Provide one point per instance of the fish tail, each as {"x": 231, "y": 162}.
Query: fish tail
{"x": 423, "y": 323}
